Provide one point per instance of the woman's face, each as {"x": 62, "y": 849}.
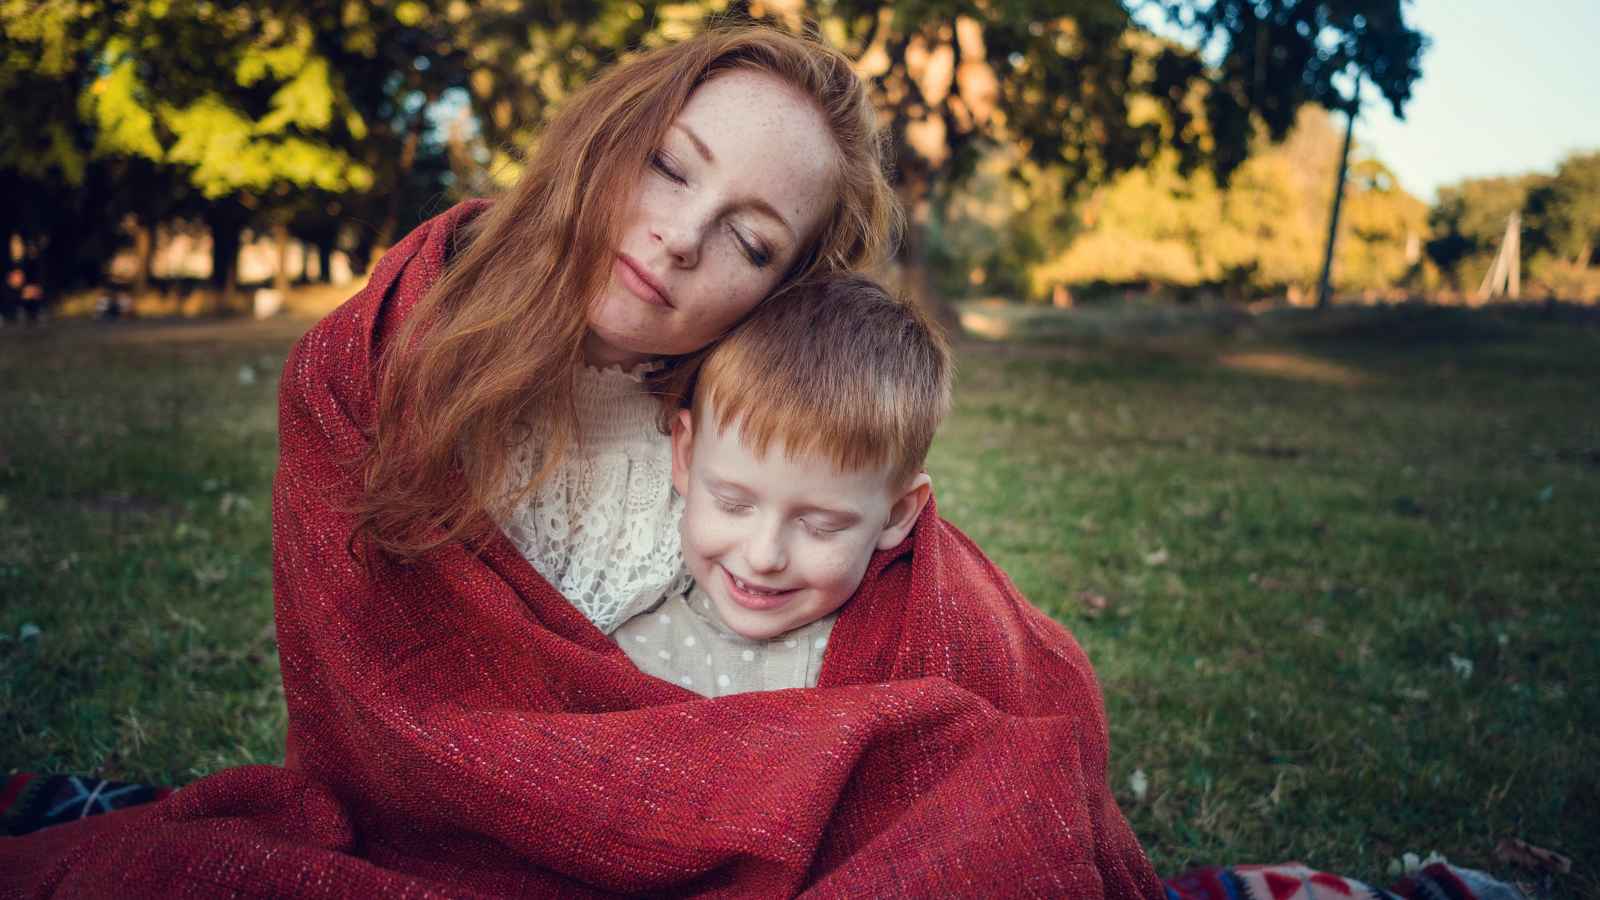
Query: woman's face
{"x": 737, "y": 189}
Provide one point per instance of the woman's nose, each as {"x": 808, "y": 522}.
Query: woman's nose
{"x": 681, "y": 239}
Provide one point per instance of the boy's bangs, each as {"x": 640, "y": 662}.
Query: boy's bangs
{"x": 853, "y": 429}
{"x": 837, "y": 369}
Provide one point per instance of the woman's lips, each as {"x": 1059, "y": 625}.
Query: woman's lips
{"x": 640, "y": 282}
{"x": 761, "y": 601}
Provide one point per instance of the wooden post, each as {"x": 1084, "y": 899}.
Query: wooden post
{"x": 1505, "y": 275}
{"x": 1514, "y": 243}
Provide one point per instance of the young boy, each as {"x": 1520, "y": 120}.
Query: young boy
{"x": 799, "y": 455}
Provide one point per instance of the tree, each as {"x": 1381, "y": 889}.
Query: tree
{"x": 955, "y": 77}
{"x": 1260, "y": 232}
{"x": 1564, "y": 212}
{"x": 258, "y": 103}
{"x": 1468, "y": 221}
{"x": 172, "y": 102}
{"x": 1274, "y": 56}
{"x": 55, "y": 192}
{"x": 398, "y": 67}
{"x": 1058, "y": 80}
{"x": 1381, "y": 241}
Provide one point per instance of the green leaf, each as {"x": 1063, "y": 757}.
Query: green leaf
{"x": 114, "y": 102}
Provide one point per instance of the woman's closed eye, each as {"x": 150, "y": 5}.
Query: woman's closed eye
{"x": 751, "y": 247}
{"x": 729, "y": 506}
{"x": 663, "y": 163}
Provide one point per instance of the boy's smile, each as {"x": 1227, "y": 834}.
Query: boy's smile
{"x": 777, "y": 543}
{"x": 753, "y": 596}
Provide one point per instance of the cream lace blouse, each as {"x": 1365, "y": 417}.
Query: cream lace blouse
{"x": 603, "y": 528}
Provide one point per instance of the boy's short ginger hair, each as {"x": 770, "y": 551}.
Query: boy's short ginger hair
{"x": 836, "y": 367}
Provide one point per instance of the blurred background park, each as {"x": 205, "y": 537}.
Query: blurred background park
{"x": 179, "y": 156}
{"x": 1295, "y": 426}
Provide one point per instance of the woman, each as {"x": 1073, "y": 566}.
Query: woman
{"x": 457, "y": 724}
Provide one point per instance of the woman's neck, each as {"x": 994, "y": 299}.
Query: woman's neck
{"x": 601, "y": 355}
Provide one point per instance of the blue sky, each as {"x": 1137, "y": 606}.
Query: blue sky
{"x": 1506, "y": 88}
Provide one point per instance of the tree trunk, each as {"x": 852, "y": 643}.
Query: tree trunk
{"x": 916, "y": 283}
{"x": 304, "y": 276}
{"x": 402, "y": 169}
{"x": 364, "y": 256}
{"x": 225, "y": 259}
{"x": 144, "y": 246}
{"x": 325, "y": 261}
{"x": 280, "y": 278}
{"x": 1325, "y": 286}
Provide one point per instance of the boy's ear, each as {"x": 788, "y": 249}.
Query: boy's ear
{"x": 682, "y": 450}
{"x": 907, "y": 507}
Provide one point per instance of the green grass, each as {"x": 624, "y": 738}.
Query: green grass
{"x": 1300, "y": 541}
{"x": 135, "y": 470}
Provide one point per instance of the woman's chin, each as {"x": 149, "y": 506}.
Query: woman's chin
{"x": 602, "y": 351}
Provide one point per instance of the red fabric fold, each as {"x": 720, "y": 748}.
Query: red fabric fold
{"x": 457, "y": 727}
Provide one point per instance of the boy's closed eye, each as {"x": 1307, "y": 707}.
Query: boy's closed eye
{"x": 729, "y": 506}
{"x": 826, "y": 522}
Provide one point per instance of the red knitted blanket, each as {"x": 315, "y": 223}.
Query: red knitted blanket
{"x": 456, "y": 727}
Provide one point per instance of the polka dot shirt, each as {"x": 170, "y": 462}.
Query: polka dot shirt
{"x": 683, "y": 641}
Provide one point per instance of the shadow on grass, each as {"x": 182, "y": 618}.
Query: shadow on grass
{"x": 1342, "y": 347}
{"x": 70, "y": 335}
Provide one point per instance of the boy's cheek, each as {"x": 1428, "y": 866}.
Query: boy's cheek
{"x": 839, "y": 569}
{"x": 703, "y": 529}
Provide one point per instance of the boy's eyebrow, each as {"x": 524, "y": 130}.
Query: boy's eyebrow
{"x": 845, "y": 516}
{"x": 722, "y": 484}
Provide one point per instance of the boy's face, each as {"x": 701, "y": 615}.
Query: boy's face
{"x": 778, "y": 543}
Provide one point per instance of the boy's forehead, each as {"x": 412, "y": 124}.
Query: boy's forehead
{"x": 809, "y": 469}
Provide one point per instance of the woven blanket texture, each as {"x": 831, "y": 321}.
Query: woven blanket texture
{"x": 457, "y": 728}
{"x": 29, "y": 802}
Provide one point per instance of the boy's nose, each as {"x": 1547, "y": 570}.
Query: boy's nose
{"x": 764, "y": 552}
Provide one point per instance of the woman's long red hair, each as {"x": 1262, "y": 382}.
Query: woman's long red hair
{"x": 486, "y": 359}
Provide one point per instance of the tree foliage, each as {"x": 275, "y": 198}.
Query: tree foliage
{"x": 1564, "y": 211}
{"x": 1560, "y": 215}
{"x": 1261, "y": 231}
{"x": 1274, "y": 56}
{"x": 1468, "y": 222}
{"x": 374, "y": 112}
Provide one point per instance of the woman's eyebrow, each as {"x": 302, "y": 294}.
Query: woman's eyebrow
{"x": 764, "y": 208}
{"x": 699, "y": 145}
{"x": 756, "y": 203}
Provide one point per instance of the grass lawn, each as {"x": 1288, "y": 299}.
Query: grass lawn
{"x": 1340, "y": 580}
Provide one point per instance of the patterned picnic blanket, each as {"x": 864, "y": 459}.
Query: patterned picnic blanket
{"x": 1297, "y": 881}
{"x": 30, "y": 802}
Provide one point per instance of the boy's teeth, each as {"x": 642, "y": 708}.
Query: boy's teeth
{"x": 751, "y": 588}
